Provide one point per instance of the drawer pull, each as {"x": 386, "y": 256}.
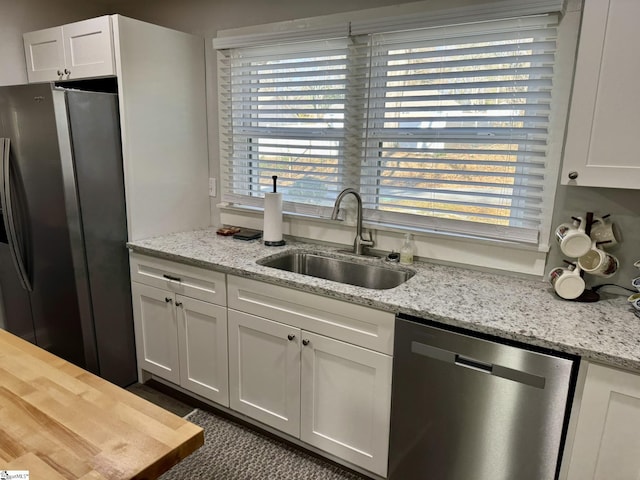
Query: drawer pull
{"x": 178, "y": 304}
{"x": 167, "y": 299}
{"x": 305, "y": 342}
{"x": 169, "y": 277}
{"x": 291, "y": 337}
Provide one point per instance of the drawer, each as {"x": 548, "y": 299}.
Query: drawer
{"x": 194, "y": 282}
{"x": 356, "y": 324}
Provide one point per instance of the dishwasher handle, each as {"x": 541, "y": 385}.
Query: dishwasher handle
{"x": 472, "y": 363}
{"x": 478, "y": 365}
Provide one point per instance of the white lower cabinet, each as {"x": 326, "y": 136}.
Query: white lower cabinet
{"x": 156, "y": 331}
{"x": 333, "y": 395}
{"x": 607, "y": 436}
{"x": 314, "y": 368}
{"x": 180, "y": 338}
{"x": 345, "y": 401}
{"x": 202, "y": 344}
{"x": 264, "y": 371}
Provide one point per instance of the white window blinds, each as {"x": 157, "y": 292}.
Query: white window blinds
{"x": 457, "y": 127}
{"x": 441, "y": 128}
{"x": 284, "y": 114}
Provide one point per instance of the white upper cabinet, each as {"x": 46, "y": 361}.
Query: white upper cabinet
{"x": 604, "y": 120}
{"x": 70, "y": 52}
{"x": 163, "y": 119}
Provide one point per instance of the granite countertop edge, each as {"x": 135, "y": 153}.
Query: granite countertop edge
{"x": 522, "y": 310}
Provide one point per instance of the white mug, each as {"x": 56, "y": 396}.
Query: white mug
{"x": 567, "y": 282}
{"x": 604, "y": 233}
{"x": 634, "y": 300}
{"x": 573, "y": 240}
{"x": 598, "y": 262}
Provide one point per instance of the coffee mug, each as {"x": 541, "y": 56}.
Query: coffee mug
{"x": 635, "y": 301}
{"x": 598, "y": 262}
{"x": 604, "y": 233}
{"x": 567, "y": 282}
{"x": 573, "y": 240}
{"x": 636, "y": 283}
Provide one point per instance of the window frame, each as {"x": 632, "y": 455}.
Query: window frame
{"x": 434, "y": 241}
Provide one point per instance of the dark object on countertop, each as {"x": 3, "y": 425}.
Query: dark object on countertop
{"x": 248, "y": 234}
{"x": 277, "y": 243}
{"x": 588, "y": 296}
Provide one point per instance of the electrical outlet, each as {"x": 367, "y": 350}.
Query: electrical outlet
{"x": 212, "y": 187}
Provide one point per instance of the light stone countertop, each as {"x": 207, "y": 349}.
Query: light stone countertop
{"x": 524, "y": 310}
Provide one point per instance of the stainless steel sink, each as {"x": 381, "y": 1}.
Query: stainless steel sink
{"x": 344, "y": 270}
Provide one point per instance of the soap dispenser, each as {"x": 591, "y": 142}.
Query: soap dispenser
{"x": 406, "y": 251}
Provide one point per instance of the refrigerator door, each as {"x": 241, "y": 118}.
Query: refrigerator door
{"x": 27, "y": 118}
{"x": 95, "y": 202}
{"x": 14, "y": 232}
{"x": 16, "y": 313}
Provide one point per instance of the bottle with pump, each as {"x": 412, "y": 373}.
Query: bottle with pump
{"x": 406, "y": 251}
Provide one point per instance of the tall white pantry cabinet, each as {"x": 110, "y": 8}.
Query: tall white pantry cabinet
{"x": 162, "y": 98}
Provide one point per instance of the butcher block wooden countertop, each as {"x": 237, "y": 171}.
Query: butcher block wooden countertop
{"x": 61, "y": 422}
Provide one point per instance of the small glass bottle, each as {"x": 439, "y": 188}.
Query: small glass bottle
{"x": 406, "y": 251}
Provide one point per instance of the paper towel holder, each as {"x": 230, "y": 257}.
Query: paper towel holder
{"x": 280, "y": 242}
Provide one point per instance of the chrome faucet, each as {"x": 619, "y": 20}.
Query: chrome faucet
{"x": 359, "y": 243}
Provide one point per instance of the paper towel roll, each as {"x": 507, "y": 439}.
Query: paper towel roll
{"x": 272, "y": 230}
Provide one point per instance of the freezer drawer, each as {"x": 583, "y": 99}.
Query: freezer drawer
{"x": 469, "y": 408}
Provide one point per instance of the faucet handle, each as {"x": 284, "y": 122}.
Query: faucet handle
{"x": 367, "y": 243}
{"x": 359, "y": 243}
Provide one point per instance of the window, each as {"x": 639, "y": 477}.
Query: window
{"x": 287, "y": 117}
{"x": 442, "y": 128}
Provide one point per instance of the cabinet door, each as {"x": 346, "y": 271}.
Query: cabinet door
{"x": 601, "y": 143}
{"x": 88, "y": 48}
{"x": 44, "y": 54}
{"x": 264, "y": 371}
{"x": 202, "y": 343}
{"x": 156, "y": 331}
{"x": 607, "y": 439}
{"x": 345, "y": 401}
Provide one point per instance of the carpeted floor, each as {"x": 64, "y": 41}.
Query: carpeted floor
{"x": 234, "y": 452}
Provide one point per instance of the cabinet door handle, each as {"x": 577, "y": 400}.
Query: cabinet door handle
{"x": 178, "y": 304}
{"x": 168, "y": 300}
{"x": 169, "y": 277}
{"x": 60, "y": 73}
{"x": 573, "y": 175}
{"x": 291, "y": 337}
{"x": 67, "y": 72}
{"x": 305, "y": 342}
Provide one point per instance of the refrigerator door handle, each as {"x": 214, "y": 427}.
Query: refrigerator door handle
{"x": 7, "y": 209}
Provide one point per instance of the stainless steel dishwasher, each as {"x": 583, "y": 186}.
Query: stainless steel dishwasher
{"x": 469, "y": 408}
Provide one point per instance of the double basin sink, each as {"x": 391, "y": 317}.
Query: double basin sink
{"x": 361, "y": 272}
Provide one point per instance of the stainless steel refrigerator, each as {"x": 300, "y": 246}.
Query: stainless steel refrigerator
{"x": 64, "y": 268}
